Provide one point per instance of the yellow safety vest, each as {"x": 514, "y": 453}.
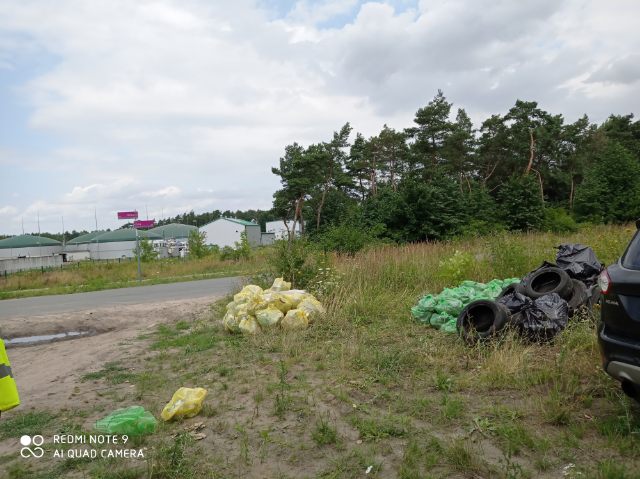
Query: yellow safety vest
{"x": 8, "y": 390}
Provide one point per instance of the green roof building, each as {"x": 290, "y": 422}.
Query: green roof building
{"x": 174, "y": 231}
{"x": 118, "y": 244}
{"x": 29, "y": 246}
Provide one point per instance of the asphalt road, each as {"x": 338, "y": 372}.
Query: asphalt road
{"x": 64, "y": 303}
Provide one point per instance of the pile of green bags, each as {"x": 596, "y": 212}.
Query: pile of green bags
{"x": 441, "y": 311}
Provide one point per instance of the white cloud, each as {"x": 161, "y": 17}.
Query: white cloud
{"x": 187, "y": 104}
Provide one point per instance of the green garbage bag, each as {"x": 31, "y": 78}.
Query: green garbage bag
{"x": 131, "y": 421}
{"x": 437, "y": 320}
{"x": 420, "y": 315}
{"x": 450, "y": 305}
{"x": 450, "y": 326}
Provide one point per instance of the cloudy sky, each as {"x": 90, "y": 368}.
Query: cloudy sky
{"x": 177, "y": 105}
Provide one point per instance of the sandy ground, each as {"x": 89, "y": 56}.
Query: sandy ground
{"x": 48, "y": 375}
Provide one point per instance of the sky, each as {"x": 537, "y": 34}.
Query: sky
{"x": 170, "y": 106}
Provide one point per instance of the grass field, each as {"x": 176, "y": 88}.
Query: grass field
{"x": 367, "y": 392}
{"x": 98, "y": 275}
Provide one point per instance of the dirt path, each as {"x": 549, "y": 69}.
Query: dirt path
{"x": 48, "y": 375}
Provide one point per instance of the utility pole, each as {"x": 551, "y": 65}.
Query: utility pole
{"x": 63, "y": 231}
{"x": 95, "y": 215}
{"x": 138, "y": 254}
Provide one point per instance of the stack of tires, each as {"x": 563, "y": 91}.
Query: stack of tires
{"x": 540, "y": 306}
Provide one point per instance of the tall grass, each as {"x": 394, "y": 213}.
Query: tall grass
{"x": 96, "y": 275}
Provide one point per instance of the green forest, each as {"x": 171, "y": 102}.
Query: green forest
{"x": 440, "y": 177}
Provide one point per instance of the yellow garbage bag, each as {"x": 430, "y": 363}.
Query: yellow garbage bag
{"x": 231, "y": 307}
{"x": 295, "y": 319}
{"x": 247, "y": 293}
{"x": 249, "y": 325}
{"x": 256, "y": 303}
{"x": 231, "y": 323}
{"x": 186, "y": 402}
{"x": 269, "y": 317}
{"x": 279, "y": 301}
{"x": 295, "y": 295}
{"x": 279, "y": 284}
{"x": 312, "y": 307}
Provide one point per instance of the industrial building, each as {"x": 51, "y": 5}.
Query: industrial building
{"x": 26, "y": 246}
{"x": 175, "y": 239}
{"x": 279, "y": 229}
{"x": 226, "y": 232}
{"x": 81, "y": 243}
{"x": 118, "y": 244}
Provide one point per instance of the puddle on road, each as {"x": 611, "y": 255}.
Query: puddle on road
{"x": 45, "y": 338}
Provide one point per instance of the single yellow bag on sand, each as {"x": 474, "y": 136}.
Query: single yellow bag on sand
{"x": 249, "y": 325}
{"x": 269, "y": 317}
{"x": 295, "y": 319}
{"x": 186, "y": 402}
{"x": 312, "y": 307}
{"x": 279, "y": 284}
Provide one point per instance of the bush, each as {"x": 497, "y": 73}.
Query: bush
{"x": 147, "y": 253}
{"x": 558, "y": 220}
{"x": 242, "y": 250}
{"x": 456, "y": 268}
{"x": 345, "y": 239}
{"x": 197, "y": 244}
{"x": 294, "y": 260}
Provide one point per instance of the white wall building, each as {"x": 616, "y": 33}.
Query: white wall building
{"x": 280, "y": 229}
{"x": 226, "y": 232}
{"x": 118, "y": 244}
{"x": 29, "y": 246}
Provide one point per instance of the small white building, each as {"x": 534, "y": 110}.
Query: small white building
{"x": 226, "y": 232}
{"x": 279, "y": 229}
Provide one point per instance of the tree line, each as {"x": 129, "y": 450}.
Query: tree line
{"x": 440, "y": 177}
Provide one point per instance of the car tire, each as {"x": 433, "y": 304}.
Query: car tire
{"x": 549, "y": 280}
{"x": 482, "y": 319}
{"x": 579, "y": 296}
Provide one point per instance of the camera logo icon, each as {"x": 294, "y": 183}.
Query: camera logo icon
{"x": 35, "y": 441}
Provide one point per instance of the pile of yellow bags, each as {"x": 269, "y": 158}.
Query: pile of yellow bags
{"x": 254, "y": 309}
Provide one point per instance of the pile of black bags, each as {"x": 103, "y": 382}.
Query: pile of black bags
{"x": 540, "y": 306}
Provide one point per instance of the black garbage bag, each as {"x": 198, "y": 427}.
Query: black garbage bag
{"x": 579, "y": 261}
{"x": 542, "y": 320}
{"x": 515, "y": 301}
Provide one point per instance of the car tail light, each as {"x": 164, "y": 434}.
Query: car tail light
{"x": 604, "y": 281}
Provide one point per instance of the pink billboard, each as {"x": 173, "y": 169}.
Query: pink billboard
{"x": 144, "y": 224}
{"x": 127, "y": 215}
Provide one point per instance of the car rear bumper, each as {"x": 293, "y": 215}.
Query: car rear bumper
{"x": 620, "y": 357}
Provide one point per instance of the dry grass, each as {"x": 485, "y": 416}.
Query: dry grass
{"x": 97, "y": 275}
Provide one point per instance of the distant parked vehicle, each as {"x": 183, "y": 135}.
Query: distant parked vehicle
{"x": 619, "y": 331}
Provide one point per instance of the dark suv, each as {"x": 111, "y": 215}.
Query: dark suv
{"x": 619, "y": 332}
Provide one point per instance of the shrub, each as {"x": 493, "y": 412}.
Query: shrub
{"x": 294, "y": 260}
{"x": 558, "y": 220}
{"x": 197, "y": 244}
{"x": 345, "y": 239}
{"x": 455, "y": 268}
